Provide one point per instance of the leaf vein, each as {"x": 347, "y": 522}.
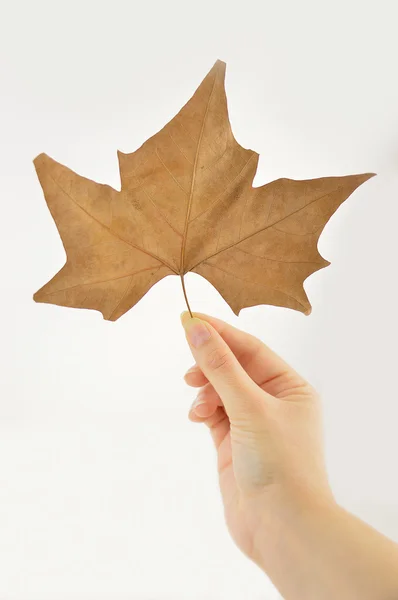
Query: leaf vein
{"x": 252, "y": 282}
{"x": 266, "y": 227}
{"x": 162, "y": 215}
{"x": 81, "y": 285}
{"x": 169, "y": 172}
{"x": 295, "y": 262}
{"x": 175, "y": 143}
{"x": 111, "y": 231}
{"x": 220, "y": 196}
{"x": 188, "y": 213}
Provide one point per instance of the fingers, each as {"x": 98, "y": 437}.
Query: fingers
{"x": 217, "y": 422}
{"x": 262, "y": 364}
{"x": 205, "y": 404}
{"x": 219, "y": 426}
{"x": 239, "y": 393}
{"x": 194, "y": 377}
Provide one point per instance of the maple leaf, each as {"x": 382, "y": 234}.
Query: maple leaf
{"x": 187, "y": 204}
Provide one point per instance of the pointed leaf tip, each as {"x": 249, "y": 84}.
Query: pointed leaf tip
{"x": 219, "y": 67}
{"x": 41, "y": 160}
{"x": 366, "y": 176}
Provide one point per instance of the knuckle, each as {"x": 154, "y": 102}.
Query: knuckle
{"x": 291, "y": 385}
{"x": 219, "y": 359}
{"x": 307, "y": 390}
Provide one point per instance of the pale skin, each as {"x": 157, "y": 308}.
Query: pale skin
{"x": 265, "y": 421}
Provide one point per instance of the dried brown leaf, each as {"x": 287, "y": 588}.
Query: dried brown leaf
{"x": 187, "y": 204}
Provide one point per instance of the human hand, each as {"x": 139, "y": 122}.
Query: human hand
{"x": 266, "y": 426}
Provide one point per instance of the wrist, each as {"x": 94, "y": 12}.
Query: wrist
{"x": 285, "y": 519}
{"x": 314, "y": 548}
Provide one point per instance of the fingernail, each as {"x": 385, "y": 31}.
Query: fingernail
{"x": 196, "y": 330}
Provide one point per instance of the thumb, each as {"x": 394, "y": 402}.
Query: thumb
{"x": 239, "y": 393}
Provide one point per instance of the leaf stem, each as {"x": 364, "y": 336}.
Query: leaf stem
{"x": 185, "y": 294}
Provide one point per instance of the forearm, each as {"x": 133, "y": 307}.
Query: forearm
{"x": 322, "y": 551}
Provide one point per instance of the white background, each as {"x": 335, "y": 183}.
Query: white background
{"x": 107, "y": 491}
